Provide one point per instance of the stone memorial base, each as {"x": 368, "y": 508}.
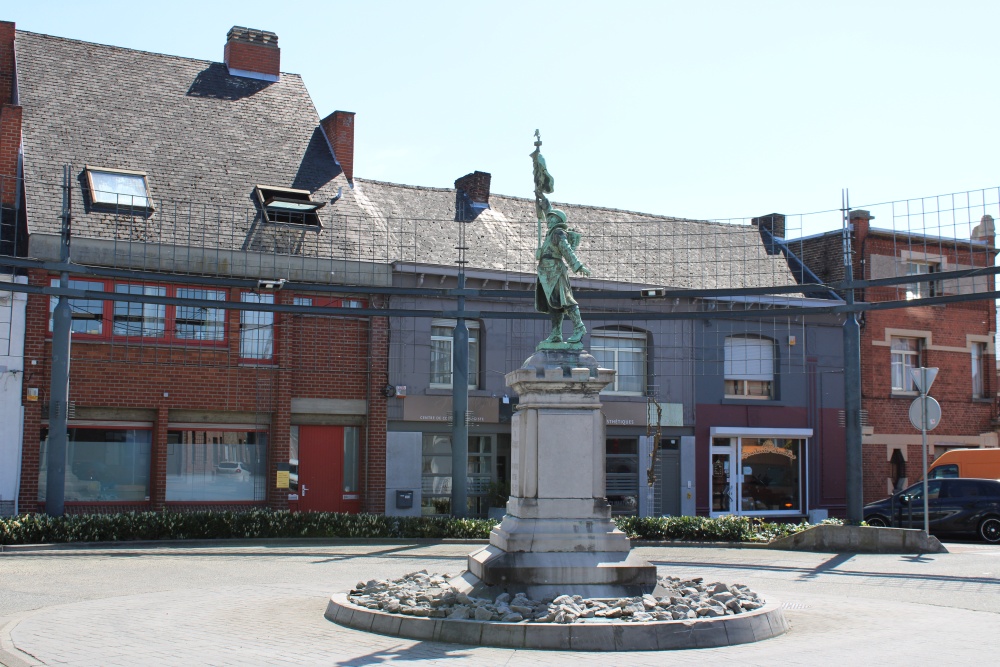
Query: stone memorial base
{"x": 557, "y": 536}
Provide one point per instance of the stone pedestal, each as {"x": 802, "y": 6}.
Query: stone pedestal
{"x": 557, "y": 535}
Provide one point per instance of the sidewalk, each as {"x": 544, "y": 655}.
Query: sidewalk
{"x": 262, "y": 604}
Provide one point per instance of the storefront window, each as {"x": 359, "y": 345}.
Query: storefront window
{"x": 757, "y": 475}
{"x": 622, "y": 468}
{"x": 770, "y": 469}
{"x": 216, "y": 465}
{"x": 436, "y": 474}
{"x": 102, "y": 464}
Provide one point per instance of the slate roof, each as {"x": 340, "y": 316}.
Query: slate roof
{"x": 205, "y": 138}
{"x": 617, "y": 245}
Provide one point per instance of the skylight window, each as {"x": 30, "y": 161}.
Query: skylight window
{"x": 119, "y": 188}
{"x": 287, "y": 206}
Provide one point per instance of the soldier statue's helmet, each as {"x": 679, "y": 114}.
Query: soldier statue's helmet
{"x": 556, "y": 218}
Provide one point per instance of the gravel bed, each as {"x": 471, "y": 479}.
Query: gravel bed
{"x": 432, "y": 596}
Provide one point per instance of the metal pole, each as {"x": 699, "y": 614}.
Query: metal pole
{"x": 923, "y": 442}
{"x": 62, "y": 320}
{"x": 852, "y": 385}
{"x": 460, "y": 393}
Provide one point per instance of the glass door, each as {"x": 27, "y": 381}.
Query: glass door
{"x": 723, "y": 482}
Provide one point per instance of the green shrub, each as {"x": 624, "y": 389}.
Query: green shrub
{"x": 262, "y": 523}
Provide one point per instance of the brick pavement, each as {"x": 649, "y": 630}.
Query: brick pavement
{"x": 263, "y": 605}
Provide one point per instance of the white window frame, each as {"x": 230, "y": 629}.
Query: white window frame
{"x": 979, "y": 370}
{"x": 748, "y": 369}
{"x": 256, "y": 329}
{"x": 921, "y": 290}
{"x": 609, "y": 356}
{"x": 901, "y": 361}
{"x": 441, "y": 342}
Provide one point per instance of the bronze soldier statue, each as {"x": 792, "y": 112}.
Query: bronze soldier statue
{"x": 553, "y": 293}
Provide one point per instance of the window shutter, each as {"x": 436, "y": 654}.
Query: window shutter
{"x": 749, "y": 359}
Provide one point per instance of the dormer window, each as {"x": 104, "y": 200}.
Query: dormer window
{"x": 119, "y": 188}
{"x": 287, "y": 206}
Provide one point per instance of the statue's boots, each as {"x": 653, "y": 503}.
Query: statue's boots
{"x": 556, "y": 335}
{"x": 578, "y": 329}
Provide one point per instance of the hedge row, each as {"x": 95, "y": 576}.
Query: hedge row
{"x": 260, "y": 523}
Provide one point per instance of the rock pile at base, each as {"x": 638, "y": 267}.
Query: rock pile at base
{"x": 431, "y": 595}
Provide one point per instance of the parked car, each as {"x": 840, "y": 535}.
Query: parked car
{"x": 955, "y": 506}
{"x": 236, "y": 469}
{"x": 981, "y": 463}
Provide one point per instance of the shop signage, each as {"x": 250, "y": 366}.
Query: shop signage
{"x": 482, "y": 409}
{"x": 640, "y": 413}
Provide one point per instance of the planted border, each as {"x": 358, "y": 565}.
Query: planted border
{"x": 262, "y": 523}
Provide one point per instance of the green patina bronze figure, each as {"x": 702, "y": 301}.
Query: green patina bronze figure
{"x": 553, "y": 293}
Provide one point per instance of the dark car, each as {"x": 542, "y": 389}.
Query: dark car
{"x": 955, "y": 506}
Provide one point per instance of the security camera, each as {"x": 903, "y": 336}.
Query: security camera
{"x": 271, "y": 285}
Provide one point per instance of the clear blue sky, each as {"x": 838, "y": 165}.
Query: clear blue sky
{"x": 700, "y": 109}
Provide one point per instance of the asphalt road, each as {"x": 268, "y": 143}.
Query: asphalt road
{"x": 262, "y": 604}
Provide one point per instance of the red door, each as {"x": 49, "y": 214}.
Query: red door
{"x": 321, "y": 471}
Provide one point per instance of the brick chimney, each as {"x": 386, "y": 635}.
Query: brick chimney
{"x": 339, "y": 130}
{"x": 772, "y": 222}
{"x": 6, "y": 62}
{"x": 861, "y": 222}
{"x": 476, "y": 185}
{"x": 10, "y": 117}
{"x": 253, "y": 53}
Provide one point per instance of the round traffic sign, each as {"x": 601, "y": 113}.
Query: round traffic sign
{"x": 917, "y": 413}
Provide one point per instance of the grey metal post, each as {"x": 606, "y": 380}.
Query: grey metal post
{"x": 852, "y": 386}
{"x": 923, "y": 443}
{"x": 62, "y": 319}
{"x": 460, "y": 393}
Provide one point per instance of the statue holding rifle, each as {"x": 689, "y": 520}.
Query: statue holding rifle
{"x": 553, "y": 293}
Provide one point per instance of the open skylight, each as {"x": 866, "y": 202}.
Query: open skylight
{"x": 119, "y": 188}
{"x": 288, "y": 206}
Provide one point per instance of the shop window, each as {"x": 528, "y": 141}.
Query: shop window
{"x": 133, "y": 318}
{"x": 905, "y": 356}
{"x": 256, "y": 329}
{"x": 436, "y": 474}
{"x": 216, "y": 465}
{"x": 102, "y": 464}
{"x": 758, "y": 475}
{"x": 749, "y": 367}
{"x": 442, "y": 353}
{"x": 622, "y": 471}
{"x": 623, "y": 350}
{"x": 87, "y": 314}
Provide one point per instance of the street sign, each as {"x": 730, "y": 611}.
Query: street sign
{"x": 923, "y": 378}
{"x": 917, "y": 413}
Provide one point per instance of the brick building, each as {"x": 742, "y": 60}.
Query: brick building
{"x": 956, "y": 337}
{"x": 203, "y": 193}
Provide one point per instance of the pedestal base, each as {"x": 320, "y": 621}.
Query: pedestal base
{"x": 548, "y": 574}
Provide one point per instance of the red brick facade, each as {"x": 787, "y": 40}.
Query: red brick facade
{"x": 314, "y": 357}
{"x": 946, "y": 332}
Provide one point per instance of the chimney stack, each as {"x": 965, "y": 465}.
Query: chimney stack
{"x": 984, "y": 231}
{"x": 476, "y": 185}
{"x": 253, "y": 54}
{"x": 10, "y": 118}
{"x": 861, "y": 222}
{"x": 772, "y": 222}
{"x": 339, "y": 130}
